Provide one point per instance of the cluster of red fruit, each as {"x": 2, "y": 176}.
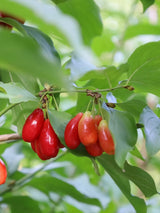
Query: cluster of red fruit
{"x": 3, "y": 172}
{"x": 4, "y": 15}
{"x": 38, "y": 131}
{"x": 92, "y": 132}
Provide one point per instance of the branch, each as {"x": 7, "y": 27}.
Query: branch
{"x": 21, "y": 182}
{"x": 10, "y": 137}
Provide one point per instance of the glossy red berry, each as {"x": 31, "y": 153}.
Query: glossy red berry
{"x": 105, "y": 138}
{"x": 48, "y": 142}
{"x": 3, "y": 172}
{"x": 33, "y": 146}
{"x": 71, "y": 132}
{"x": 33, "y": 125}
{"x": 60, "y": 144}
{"x": 97, "y": 119}
{"x": 94, "y": 149}
{"x": 87, "y": 129}
{"x": 36, "y": 146}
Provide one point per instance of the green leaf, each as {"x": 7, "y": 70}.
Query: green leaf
{"x": 123, "y": 128}
{"x": 133, "y": 106}
{"x": 59, "y": 121}
{"x": 151, "y": 129}
{"x": 17, "y": 93}
{"x": 110, "y": 75}
{"x": 141, "y": 29}
{"x": 44, "y": 41}
{"x": 144, "y": 67}
{"x": 50, "y": 20}
{"x": 48, "y": 184}
{"x": 79, "y": 66}
{"x": 21, "y": 112}
{"x": 142, "y": 179}
{"x": 13, "y": 152}
{"x": 146, "y": 4}
{"x": 80, "y": 9}
{"x": 21, "y": 204}
{"x": 122, "y": 181}
{"x": 32, "y": 62}
{"x": 137, "y": 153}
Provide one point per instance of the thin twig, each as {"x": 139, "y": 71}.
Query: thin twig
{"x": 10, "y": 137}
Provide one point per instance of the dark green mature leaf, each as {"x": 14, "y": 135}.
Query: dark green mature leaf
{"x": 48, "y": 184}
{"x": 123, "y": 128}
{"x": 44, "y": 41}
{"x": 17, "y": 93}
{"x": 146, "y": 4}
{"x": 144, "y": 67}
{"x": 142, "y": 179}
{"x": 87, "y": 15}
{"x": 22, "y": 55}
{"x": 109, "y": 164}
{"x": 59, "y": 121}
{"x": 21, "y": 204}
{"x": 151, "y": 129}
{"x": 133, "y": 106}
{"x": 141, "y": 29}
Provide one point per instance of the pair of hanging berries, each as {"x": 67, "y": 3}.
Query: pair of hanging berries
{"x": 38, "y": 131}
{"x": 3, "y": 172}
{"x": 92, "y": 132}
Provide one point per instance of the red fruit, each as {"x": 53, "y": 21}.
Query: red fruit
{"x": 38, "y": 151}
{"x": 33, "y": 125}
{"x": 71, "y": 132}
{"x": 94, "y": 149}
{"x": 105, "y": 138}
{"x": 97, "y": 119}
{"x": 33, "y": 146}
{"x": 60, "y": 144}
{"x": 48, "y": 141}
{"x": 87, "y": 129}
{"x": 3, "y": 172}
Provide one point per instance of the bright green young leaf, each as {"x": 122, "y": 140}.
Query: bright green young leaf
{"x": 110, "y": 75}
{"x": 23, "y": 56}
{"x": 142, "y": 29}
{"x": 21, "y": 204}
{"x": 123, "y": 128}
{"x": 146, "y": 4}
{"x": 48, "y": 184}
{"x": 137, "y": 153}
{"x": 144, "y": 67}
{"x": 142, "y": 179}
{"x": 122, "y": 181}
{"x": 17, "y": 93}
{"x": 151, "y": 129}
{"x": 87, "y": 14}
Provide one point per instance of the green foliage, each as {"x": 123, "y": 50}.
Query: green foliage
{"x": 151, "y": 129}
{"x": 68, "y": 52}
{"x": 147, "y": 3}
